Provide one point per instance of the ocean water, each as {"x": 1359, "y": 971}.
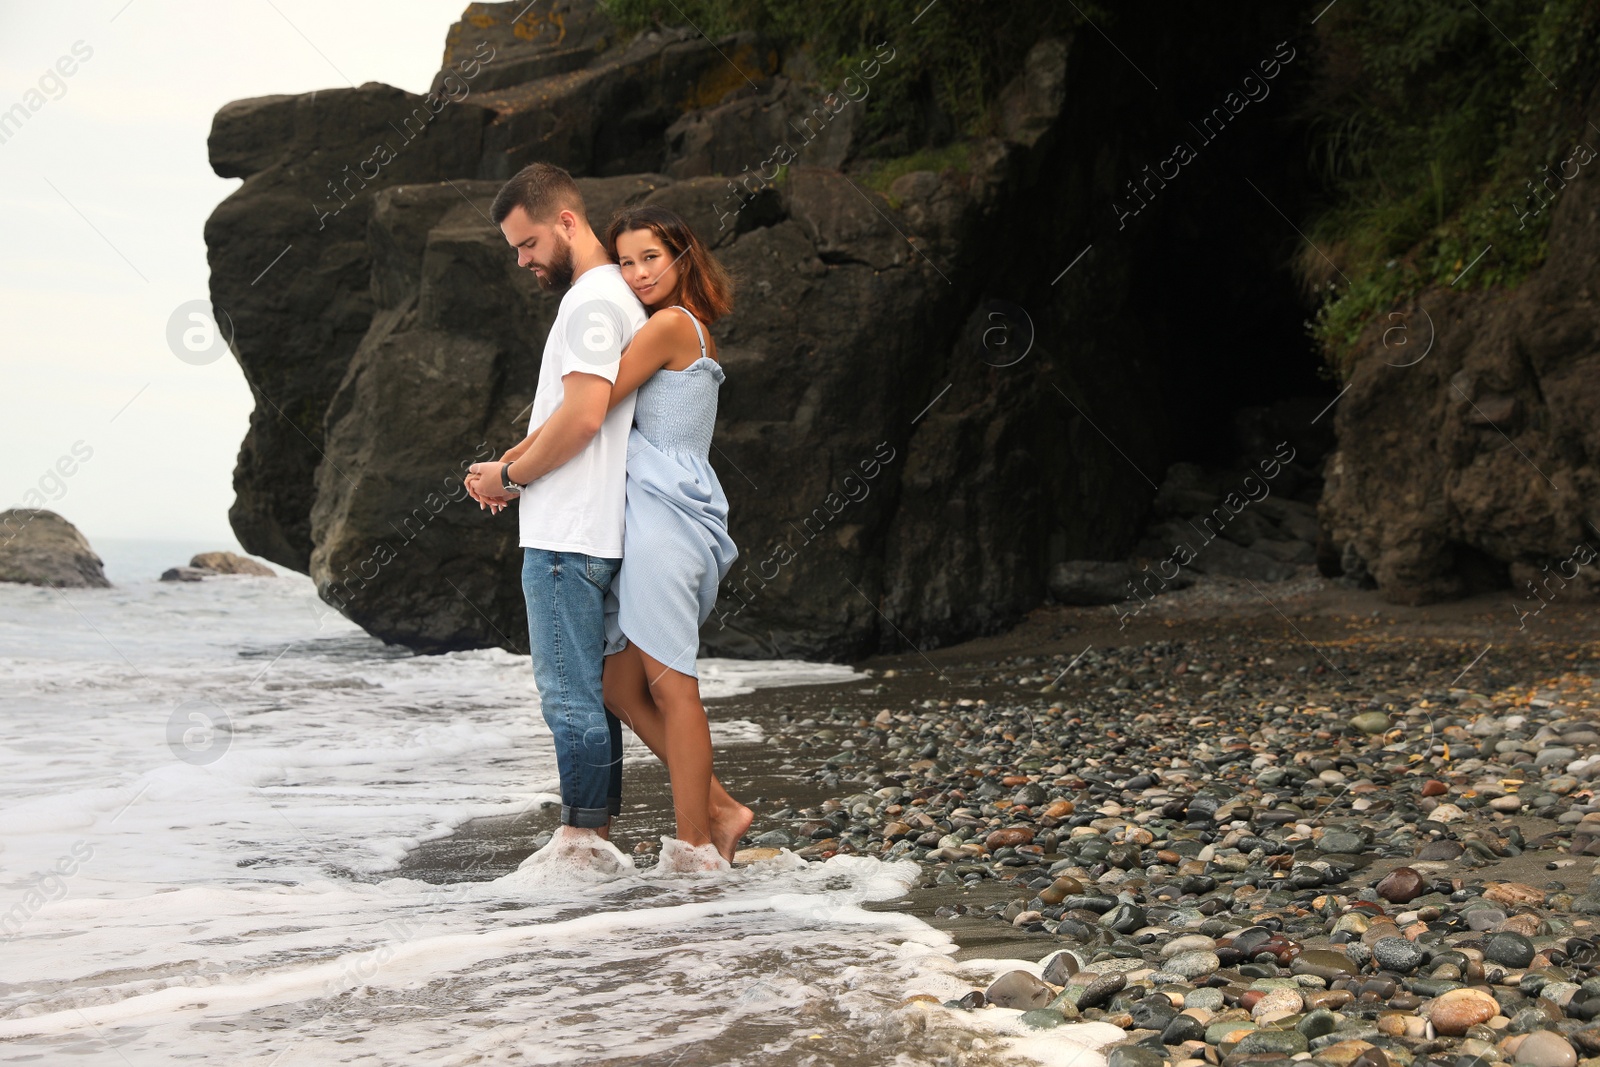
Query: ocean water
{"x": 132, "y": 559}
{"x": 203, "y": 785}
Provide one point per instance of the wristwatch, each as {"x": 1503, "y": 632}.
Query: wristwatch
{"x": 505, "y": 479}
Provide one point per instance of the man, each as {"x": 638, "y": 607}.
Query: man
{"x": 570, "y": 476}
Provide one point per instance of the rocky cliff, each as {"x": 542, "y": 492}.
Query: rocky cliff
{"x": 937, "y": 389}
{"x": 1469, "y": 437}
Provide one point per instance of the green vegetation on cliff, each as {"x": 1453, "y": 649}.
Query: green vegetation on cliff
{"x": 951, "y": 57}
{"x": 1440, "y": 130}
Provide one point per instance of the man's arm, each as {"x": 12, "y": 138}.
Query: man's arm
{"x": 473, "y": 482}
{"x": 565, "y": 433}
{"x": 560, "y": 437}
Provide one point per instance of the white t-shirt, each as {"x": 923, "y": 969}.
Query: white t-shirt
{"x": 578, "y": 506}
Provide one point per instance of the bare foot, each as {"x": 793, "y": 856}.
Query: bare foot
{"x": 728, "y": 827}
{"x": 578, "y": 851}
{"x": 680, "y": 857}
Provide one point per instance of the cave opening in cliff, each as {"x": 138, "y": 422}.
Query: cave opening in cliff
{"x": 1181, "y": 339}
{"x": 1228, "y": 318}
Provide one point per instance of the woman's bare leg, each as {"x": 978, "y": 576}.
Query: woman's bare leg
{"x": 627, "y": 694}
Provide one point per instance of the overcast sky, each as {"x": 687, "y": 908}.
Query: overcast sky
{"x": 104, "y": 193}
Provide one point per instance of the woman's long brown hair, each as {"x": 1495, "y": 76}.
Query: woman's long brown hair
{"x": 704, "y": 286}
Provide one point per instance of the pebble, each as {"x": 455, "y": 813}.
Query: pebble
{"x": 1207, "y": 844}
{"x": 1278, "y": 1001}
{"x": 1018, "y": 989}
{"x": 1370, "y": 722}
{"x": 1188, "y": 943}
{"x": 1341, "y": 841}
{"x": 1282, "y": 1042}
{"x": 1509, "y": 949}
{"x": 1544, "y": 1048}
{"x": 1484, "y": 918}
{"x": 1133, "y": 1056}
{"x": 1397, "y": 954}
{"x": 1193, "y": 964}
{"x": 1323, "y": 963}
{"x": 1347, "y": 1053}
{"x": 1228, "y": 1030}
{"x": 1058, "y": 968}
{"x": 1402, "y": 885}
{"x": 1458, "y": 1010}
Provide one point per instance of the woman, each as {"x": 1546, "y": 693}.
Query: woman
{"x": 676, "y": 544}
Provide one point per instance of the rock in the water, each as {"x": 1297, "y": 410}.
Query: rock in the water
{"x": 39, "y": 547}
{"x": 231, "y": 563}
{"x": 1018, "y": 989}
{"x": 1454, "y": 1012}
{"x": 186, "y": 574}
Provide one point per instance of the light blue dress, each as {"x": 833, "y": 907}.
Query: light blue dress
{"x": 675, "y": 544}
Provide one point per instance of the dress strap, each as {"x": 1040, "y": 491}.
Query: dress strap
{"x": 697, "y": 332}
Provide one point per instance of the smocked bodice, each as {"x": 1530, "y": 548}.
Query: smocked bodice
{"x": 677, "y": 410}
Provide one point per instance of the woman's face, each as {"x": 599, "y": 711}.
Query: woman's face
{"x": 647, "y": 268}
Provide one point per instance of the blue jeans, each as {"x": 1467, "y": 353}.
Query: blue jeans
{"x": 566, "y": 593}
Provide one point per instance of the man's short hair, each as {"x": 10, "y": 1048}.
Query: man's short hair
{"x": 543, "y": 190}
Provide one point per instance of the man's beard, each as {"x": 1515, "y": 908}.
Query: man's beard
{"x": 557, "y": 276}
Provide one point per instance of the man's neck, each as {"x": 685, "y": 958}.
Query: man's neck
{"x": 587, "y": 258}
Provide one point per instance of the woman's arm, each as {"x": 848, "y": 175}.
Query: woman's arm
{"x": 653, "y": 347}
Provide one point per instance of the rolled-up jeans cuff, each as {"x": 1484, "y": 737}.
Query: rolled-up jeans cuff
{"x": 614, "y": 806}
{"x": 584, "y": 818}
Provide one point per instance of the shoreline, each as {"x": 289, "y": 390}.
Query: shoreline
{"x": 1146, "y": 765}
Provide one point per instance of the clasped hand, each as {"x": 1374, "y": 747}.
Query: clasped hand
{"x": 483, "y": 485}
